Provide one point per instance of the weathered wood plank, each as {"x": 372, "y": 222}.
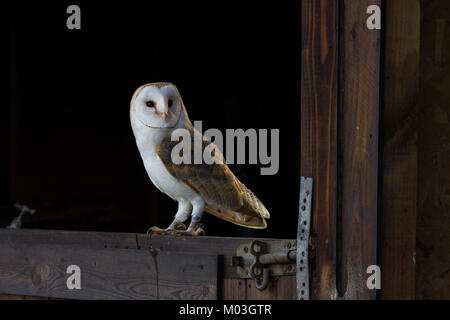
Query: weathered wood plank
{"x": 280, "y": 288}
{"x": 40, "y": 270}
{"x": 319, "y": 94}
{"x": 204, "y": 245}
{"x": 399, "y": 175}
{"x": 117, "y": 243}
{"x": 234, "y": 289}
{"x": 360, "y": 69}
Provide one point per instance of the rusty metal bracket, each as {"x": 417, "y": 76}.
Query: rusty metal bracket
{"x": 304, "y": 222}
{"x": 259, "y": 260}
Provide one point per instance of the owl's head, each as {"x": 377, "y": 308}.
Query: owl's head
{"x": 157, "y": 105}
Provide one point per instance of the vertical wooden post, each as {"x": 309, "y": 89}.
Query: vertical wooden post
{"x": 359, "y": 147}
{"x": 340, "y": 135}
{"x": 319, "y": 90}
{"x": 401, "y": 93}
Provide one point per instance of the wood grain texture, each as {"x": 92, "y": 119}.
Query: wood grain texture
{"x": 399, "y": 175}
{"x": 40, "y": 270}
{"x": 319, "y": 91}
{"x": 225, "y": 247}
{"x": 234, "y": 289}
{"x": 360, "y": 48}
{"x": 279, "y": 288}
{"x": 433, "y": 218}
{"x": 230, "y": 286}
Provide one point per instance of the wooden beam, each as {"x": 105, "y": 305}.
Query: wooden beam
{"x": 319, "y": 95}
{"x": 400, "y": 158}
{"x": 225, "y": 247}
{"x": 114, "y": 244}
{"x": 360, "y": 67}
{"x": 40, "y": 270}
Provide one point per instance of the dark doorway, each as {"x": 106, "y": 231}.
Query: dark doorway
{"x": 71, "y": 152}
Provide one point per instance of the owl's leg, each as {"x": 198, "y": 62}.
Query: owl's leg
{"x": 198, "y": 206}
{"x": 184, "y": 209}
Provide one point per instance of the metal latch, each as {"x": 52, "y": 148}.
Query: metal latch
{"x": 259, "y": 260}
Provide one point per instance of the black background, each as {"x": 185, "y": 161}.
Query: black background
{"x": 69, "y": 149}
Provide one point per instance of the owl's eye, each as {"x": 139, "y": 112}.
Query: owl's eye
{"x": 150, "y": 104}
{"x": 170, "y": 102}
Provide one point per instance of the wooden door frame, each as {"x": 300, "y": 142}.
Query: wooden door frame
{"x": 339, "y": 143}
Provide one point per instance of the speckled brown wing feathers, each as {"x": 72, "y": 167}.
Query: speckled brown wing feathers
{"x": 225, "y": 196}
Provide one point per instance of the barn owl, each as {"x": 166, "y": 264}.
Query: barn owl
{"x": 156, "y": 110}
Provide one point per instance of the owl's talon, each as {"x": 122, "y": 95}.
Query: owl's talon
{"x": 151, "y": 230}
{"x": 181, "y": 226}
{"x": 159, "y": 231}
{"x": 191, "y": 233}
{"x": 199, "y": 232}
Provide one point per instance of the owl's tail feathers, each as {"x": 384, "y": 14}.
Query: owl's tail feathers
{"x": 252, "y": 214}
{"x": 241, "y": 219}
{"x": 253, "y": 204}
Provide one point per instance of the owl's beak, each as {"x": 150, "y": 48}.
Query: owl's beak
{"x": 163, "y": 115}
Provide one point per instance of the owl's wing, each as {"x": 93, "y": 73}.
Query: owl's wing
{"x": 225, "y": 196}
